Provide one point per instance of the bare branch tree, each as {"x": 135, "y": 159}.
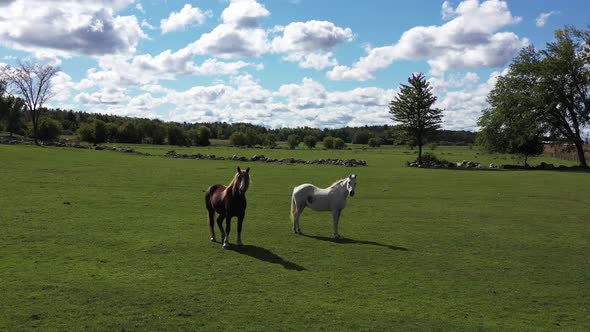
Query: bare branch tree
{"x": 31, "y": 81}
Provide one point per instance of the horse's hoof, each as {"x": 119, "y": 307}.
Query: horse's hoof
{"x": 212, "y": 239}
{"x": 336, "y": 237}
{"x": 240, "y": 244}
{"x": 226, "y": 245}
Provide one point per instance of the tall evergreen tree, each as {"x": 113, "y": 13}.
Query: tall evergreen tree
{"x": 412, "y": 108}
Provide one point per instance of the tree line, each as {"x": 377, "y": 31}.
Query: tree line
{"x": 100, "y": 128}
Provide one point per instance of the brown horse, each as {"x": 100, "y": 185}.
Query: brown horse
{"x": 228, "y": 202}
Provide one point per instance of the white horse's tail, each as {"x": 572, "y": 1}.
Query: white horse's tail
{"x": 293, "y": 208}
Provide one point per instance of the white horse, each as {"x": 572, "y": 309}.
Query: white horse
{"x": 332, "y": 199}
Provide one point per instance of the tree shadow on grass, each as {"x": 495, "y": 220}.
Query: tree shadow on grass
{"x": 266, "y": 255}
{"x": 353, "y": 241}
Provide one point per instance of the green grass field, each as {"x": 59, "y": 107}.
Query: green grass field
{"x": 101, "y": 240}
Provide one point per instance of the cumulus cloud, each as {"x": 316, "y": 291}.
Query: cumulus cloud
{"x": 464, "y": 99}
{"x": 541, "y": 20}
{"x": 179, "y": 20}
{"x": 469, "y": 40}
{"x": 240, "y": 34}
{"x": 310, "y": 43}
{"x": 66, "y": 28}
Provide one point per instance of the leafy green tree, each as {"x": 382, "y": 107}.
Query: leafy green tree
{"x": 128, "y": 133}
{"x": 339, "y": 143}
{"x": 101, "y": 132}
{"x": 200, "y": 135}
{"x": 310, "y": 141}
{"x": 375, "y": 142}
{"x": 238, "y": 139}
{"x": 86, "y": 132}
{"x": 328, "y": 142}
{"x": 176, "y": 135}
{"x": 269, "y": 140}
{"x": 204, "y": 133}
{"x": 49, "y": 129}
{"x": 361, "y": 137}
{"x": 113, "y": 132}
{"x": 555, "y": 83}
{"x": 412, "y": 108}
{"x": 12, "y": 110}
{"x": 510, "y": 125}
{"x": 293, "y": 141}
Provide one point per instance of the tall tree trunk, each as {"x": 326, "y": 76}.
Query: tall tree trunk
{"x": 419, "y": 153}
{"x": 35, "y": 120}
{"x": 580, "y": 149}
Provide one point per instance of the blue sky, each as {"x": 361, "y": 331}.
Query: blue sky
{"x": 276, "y": 63}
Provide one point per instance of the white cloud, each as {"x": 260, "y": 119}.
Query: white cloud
{"x": 310, "y": 43}
{"x": 240, "y": 34}
{"x": 66, "y": 28}
{"x": 244, "y": 14}
{"x": 447, "y": 10}
{"x": 541, "y": 20}
{"x": 147, "y": 25}
{"x": 139, "y": 7}
{"x": 469, "y": 40}
{"x": 179, "y": 20}
{"x": 462, "y": 107}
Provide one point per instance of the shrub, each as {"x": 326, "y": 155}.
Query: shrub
{"x": 428, "y": 157}
{"x": 375, "y": 142}
{"x": 293, "y": 141}
{"x": 328, "y": 142}
{"x": 269, "y": 140}
{"x": 86, "y": 132}
{"x": 238, "y": 139}
{"x": 339, "y": 143}
{"x": 310, "y": 141}
{"x": 432, "y": 146}
{"x": 49, "y": 129}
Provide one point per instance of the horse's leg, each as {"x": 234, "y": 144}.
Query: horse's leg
{"x": 212, "y": 225}
{"x": 227, "y": 230}
{"x": 296, "y": 227}
{"x": 240, "y": 220}
{"x": 336, "y": 218}
{"x": 220, "y": 225}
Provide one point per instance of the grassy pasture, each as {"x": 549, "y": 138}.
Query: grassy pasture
{"x": 100, "y": 240}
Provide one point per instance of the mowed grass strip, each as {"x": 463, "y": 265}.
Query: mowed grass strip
{"x": 100, "y": 240}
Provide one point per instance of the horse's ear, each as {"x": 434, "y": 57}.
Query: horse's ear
{"x": 239, "y": 170}
{"x": 248, "y": 170}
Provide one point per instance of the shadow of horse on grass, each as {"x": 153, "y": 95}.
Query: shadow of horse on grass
{"x": 352, "y": 241}
{"x": 266, "y": 255}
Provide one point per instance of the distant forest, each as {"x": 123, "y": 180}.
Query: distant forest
{"x": 99, "y": 128}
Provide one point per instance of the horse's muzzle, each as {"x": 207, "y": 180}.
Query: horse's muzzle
{"x": 352, "y": 193}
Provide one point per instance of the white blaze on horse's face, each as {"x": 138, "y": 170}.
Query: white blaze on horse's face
{"x": 244, "y": 178}
{"x": 351, "y": 184}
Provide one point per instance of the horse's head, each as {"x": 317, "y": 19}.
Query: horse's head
{"x": 242, "y": 180}
{"x": 351, "y": 184}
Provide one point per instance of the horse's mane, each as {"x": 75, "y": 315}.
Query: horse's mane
{"x": 234, "y": 185}
{"x": 337, "y": 183}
